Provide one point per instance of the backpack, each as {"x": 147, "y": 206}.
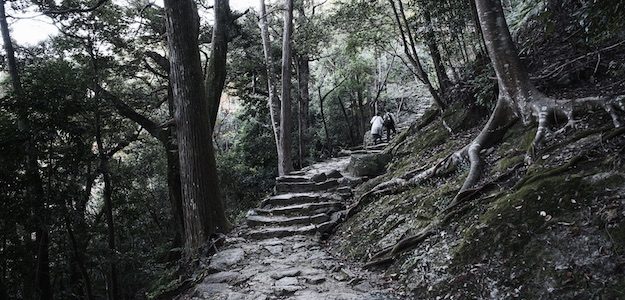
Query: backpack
{"x": 388, "y": 120}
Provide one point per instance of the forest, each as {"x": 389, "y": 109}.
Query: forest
{"x": 228, "y": 149}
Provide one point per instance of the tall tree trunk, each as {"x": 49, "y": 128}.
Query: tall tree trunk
{"x": 35, "y": 192}
{"x": 362, "y": 117}
{"x": 216, "y": 74}
{"x": 303, "y": 79}
{"x": 285, "y": 164}
{"x": 78, "y": 255}
{"x": 175, "y": 193}
{"x": 42, "y": 274}
{"x": 203, "y": 207}
{"x": 112, "y": 286}
{"x": 441, "y": 74}
{"x": 174, "y": 188}
{"x": 274, "y": 102}
{"x": 478, "y": 28}
{"x": 513, "y": 79}
{"x": 517, "y": 96}
{"x": 323, "y": 120}
{"x": 348, "y": 121}
{"x": 411, "y": 51}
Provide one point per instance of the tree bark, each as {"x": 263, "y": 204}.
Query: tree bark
{"x": 112, "y": 286}
{"x": 203, "y": 207}
{"x": 411, "y": 51}
{"x": 303, "y": 79}
{"x": 35, "y": 192}
{"x": 323, "y": 120}
{"x": 285, "y": 164}
{"x": 362, "y": 117}
{"x": 78, "y": 256}
{"x": 478, "y": 28}
{"x": 175, "y": 193}
{"x": 512, "y": 78}
{"x": 274, "y": 102}
{"x": 348, "y": 121}
{"x": 216, "y": 73}
{"x": 441, "y": 74}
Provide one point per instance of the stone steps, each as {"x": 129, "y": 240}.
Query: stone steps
{"x": 379, "y": 146}
{"x": 281, "y": 221}
{"x": 305, "y": 187}
{"x": 306, "y": 202}
{"x": 278, "y": 232}
{"x": 302, "y": 209}
{"x": 297, "y": 198}
{"x": 292, "y": 179}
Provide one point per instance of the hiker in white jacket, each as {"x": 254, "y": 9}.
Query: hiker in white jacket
{"x": 377, "y": 126}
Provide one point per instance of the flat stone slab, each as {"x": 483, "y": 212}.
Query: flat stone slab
{"x": 292, "y": 178}
{"x": 305, "y": 187}
{"x": 298, "y": 198}
{"x": 286, "y": 273}
{"x": 284, "y": 290}
{"x": 379, "y": 146}
{"x": 359, "y": 152}
{"x": 301, "y": 209}
{"x": 222, "y": 260}
{"x": 316, "y": 280}
{"x": 258, "y": 220}
{"x": 277, "y": 232}
{"x": 222, "y": 277}
{"x": 286, "y": 281}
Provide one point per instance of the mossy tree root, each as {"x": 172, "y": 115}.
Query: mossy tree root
{"x": 548, "y": 110}
{"x": 454, "y": 208}
{"x": 503, "y": 117}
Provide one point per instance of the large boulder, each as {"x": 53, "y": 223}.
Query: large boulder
{"x": 368, "y": 164}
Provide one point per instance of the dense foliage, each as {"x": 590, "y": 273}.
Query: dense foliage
{"x": 97, "y": 103}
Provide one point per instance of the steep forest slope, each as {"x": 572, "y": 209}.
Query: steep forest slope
{"x": 551, "y": 227}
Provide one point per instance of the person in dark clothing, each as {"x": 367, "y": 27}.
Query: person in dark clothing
{"x": 389, "y": 124}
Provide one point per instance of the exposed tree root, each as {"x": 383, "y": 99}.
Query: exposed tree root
{"x": 548, "y": 110}
{"x": 469, "y": 194}
{"x": 457, "y": 205}
{"x": 616, "y": 132}
{"x": 454, "y": 208}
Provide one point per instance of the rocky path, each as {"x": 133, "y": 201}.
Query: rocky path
{"x": 278, "y": 253}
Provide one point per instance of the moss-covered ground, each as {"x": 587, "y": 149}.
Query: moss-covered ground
{"x": 554, "y": 230}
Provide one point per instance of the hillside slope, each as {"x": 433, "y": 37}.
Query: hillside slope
{"x": 551, "y": 229}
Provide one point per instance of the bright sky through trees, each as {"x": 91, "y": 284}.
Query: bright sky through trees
{"x": 30, "y": 28}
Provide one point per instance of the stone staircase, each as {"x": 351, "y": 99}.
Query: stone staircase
{"x": 303, "y": 205}
{"x": 309, "y": 201}
{"x": 305, "y": 202}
